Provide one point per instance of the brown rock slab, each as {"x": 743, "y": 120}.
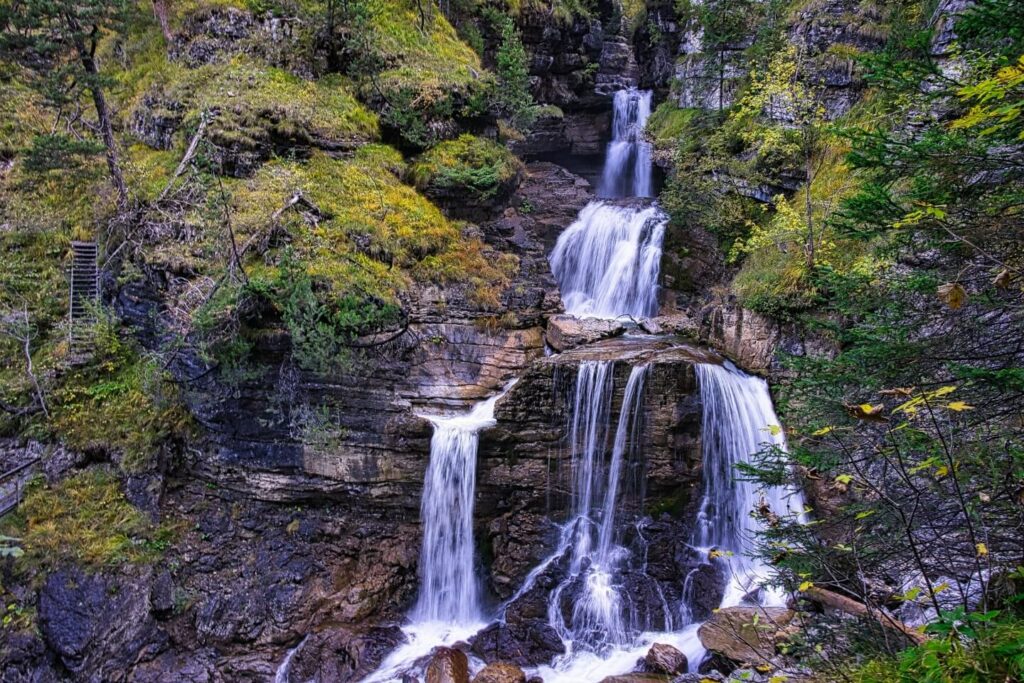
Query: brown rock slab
{"x": 448, "y": 665}
{"x": 566, "y": 331}
{"x": 746, "y": 634}
{"x": 665, "y": 659}
{"x": 500, "y": 672}
{"x": 637, "y": 678}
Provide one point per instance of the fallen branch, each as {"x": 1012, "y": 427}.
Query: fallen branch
{"x": 193, "y": 145}
{"x": 859, "y": 609}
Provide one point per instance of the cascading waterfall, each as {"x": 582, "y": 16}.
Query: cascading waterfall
{"x": 627, "y": 166}
{"x": 737, "y": 422}
{"x": 448, "y": 606}
{"x": 607, "y": 262}
{"x": 449, "y": 591}
{"x": 598, "y": 618}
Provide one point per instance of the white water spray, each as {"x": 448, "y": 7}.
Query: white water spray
{"x": 738, "y": 422}
{"x": 627, "y": 166}
{"x": 607, "y": 262}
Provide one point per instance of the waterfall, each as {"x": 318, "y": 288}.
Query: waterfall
{"x": 737, "y": 422}
{"x": 627, "y": 166}
{"x": 607, "y": 262}
{"x": 598, "y": 620}
{"x": 449, "y": 591}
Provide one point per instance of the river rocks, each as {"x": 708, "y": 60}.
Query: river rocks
{"x": 448, "y": 665}
{"x": 638, "y": 678}
{"x": 525, "y": 645}
{"x": 500, "y": 672}
{"x": 566, "y": 331}
{"x": 746, "y": 634}
{"x": 665, "y": 659}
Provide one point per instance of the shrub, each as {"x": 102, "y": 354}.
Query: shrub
{"x": 468, "y": 163}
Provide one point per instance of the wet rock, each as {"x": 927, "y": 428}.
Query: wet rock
{"x": 448, "y": 665}
{"x": 97, "y": 624}
{"x": 665, "y": 659}
{"x": 500, "y": 672}
{"x": 565, "y": 331}
{"x": 340, "y": 654}
{"x": 525, "y": 644}
{"x": 746, "y": 634}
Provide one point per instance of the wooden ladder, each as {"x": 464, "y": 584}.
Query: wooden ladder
{"x": 84, "y": 295}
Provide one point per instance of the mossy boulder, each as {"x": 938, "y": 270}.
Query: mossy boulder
{"x": 254, "y": 112}
{"x": 470, "y": 177}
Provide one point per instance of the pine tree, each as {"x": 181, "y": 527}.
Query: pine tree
{"x": 55, "y": 41}
{"x": 512, "y": 97}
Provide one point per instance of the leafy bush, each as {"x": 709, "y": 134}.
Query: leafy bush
{"x": 468, "y": 163}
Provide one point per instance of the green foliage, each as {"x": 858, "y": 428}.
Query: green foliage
{"x": 668, "y": 123}
{"x": 971, "y": 648}
{"x": 469, "y": 164}
{"x": 119, "y": 402}
{"x": 512, "y": 96}
{"x": 83, "y": 519}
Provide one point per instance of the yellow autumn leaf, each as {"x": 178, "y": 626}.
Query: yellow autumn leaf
{"x": 774, "y": 430}
{"x": 982, "y": 549}
{"x": 822, "y": 432}
{"x": 806, "y": 585}
{"x": 778, "y": 678}
{"x": 959, "y": 406}
{"x": 953, "y": 294}
{"x": 941, "y": 471}
{"x": 942, "y": 391}
{"x": 844, "y": 478}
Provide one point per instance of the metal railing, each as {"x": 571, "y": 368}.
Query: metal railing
{"x": 12, "y": 484}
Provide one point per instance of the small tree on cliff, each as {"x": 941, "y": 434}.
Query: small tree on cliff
{"x": 55, "y": 41}
{"x": 512, "y": 97}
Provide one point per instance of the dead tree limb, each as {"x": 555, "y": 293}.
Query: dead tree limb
{"x": 190, "y": 152}
{"x": 859, "y": 609}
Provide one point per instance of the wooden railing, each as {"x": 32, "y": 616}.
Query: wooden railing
{"x": 12, "y": 485}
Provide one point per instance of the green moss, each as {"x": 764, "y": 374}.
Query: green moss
{"x": 668, "y": 123}
{"x": 433, "y": 60}
{"x": 118, "y": 403}
{"x": 22, "y": 116}
{"x": 84, "y": 519}
{"x": 468, "y": 164}
{"x": 378, "y": 234}
{"x": 255, "y": 103}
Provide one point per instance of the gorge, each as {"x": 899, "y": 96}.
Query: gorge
{"x": 511, "y": 341}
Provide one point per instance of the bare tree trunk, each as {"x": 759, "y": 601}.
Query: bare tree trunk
{"x": 858, "y": 609}
{"x": 85, "y": 54}
{"x": 809, "y": 206}
{"x": 160, "y": 10}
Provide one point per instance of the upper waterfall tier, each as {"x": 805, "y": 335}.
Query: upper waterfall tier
{"x": 627, "y": 166}
{"x": 607, "y": 262}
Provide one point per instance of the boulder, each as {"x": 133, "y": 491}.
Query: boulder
{"x": 746, "y": 634}
{"x": 500, "y": 672}
{"x": 665, "y": 659}
{"x": 565, "y": 331}
{"x": 97, "y": 623}
{"x": 448, "y": 665}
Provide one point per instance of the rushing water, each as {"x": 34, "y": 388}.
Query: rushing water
{"x": 607, "y": 262}
{"x": 627, "y": 166}
{"x": 607, "y": 265}
{"x": 598, "y": 620}
{"x": 449, "y": 591}
{"x": 737, "y": 422}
